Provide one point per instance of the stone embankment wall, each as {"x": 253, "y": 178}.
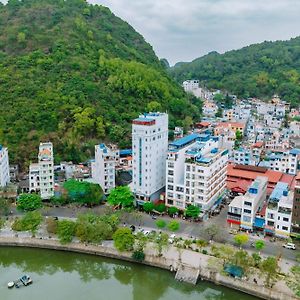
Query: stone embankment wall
{"x": 173, "y": 259}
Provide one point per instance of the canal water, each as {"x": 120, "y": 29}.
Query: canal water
{"x": 70, "y": 276}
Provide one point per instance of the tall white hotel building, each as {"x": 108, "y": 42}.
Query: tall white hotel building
{"x": 150, "y": 150}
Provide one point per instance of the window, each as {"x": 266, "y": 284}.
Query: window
{"x": 285, "y": 219}
{"x": 247, "y": 211}
{"x": 248, "y": 203}
{"x": 285, "y": 228}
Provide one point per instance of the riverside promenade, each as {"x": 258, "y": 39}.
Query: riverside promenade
{"x": 188, "y": 264}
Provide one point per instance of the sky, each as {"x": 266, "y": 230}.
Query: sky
{"x": 182, "y": 30}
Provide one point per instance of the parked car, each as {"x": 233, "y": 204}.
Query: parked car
{"x": 171, "y": 238}
{"x": 146, "y": 232}
{"x": 289, "y": 246}
{"x": 233, "y": 231}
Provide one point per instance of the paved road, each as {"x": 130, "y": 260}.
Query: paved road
{"x": 186, "y": 228}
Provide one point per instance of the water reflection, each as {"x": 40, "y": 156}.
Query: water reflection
{"x": 139, "y": 281}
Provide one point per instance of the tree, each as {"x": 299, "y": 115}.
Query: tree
{"x": 269, "y": 267}
{"x": 211, "y": 231}
{"x": 161, "y": 224}
{"x": 121, "y": 196}
{"x": 123, "y": 239}
{"x": 4, "y": 207}
{"x": 29, "y": 222}
{"x": 192, "y": 211}
{"x": 241, "y": 239}
{"x": 82, "y": 192}
{"x": 66, "y": 231}
{"x": 161, "y": 242}
{"x": 242, "y": 259}
{"x": 172, "y": 210}
{"x": 173, "y": 226}
{"x": 160, "y": 207}
{"x": 259, "y": 245}
{"x": 238, "y": 135}
{"x": 154, "y": 106}
{"x": 148, "y": 206}
{"x": 219, "y": 113}
{"x": 29, "y": 202}
{"x": 256, "y": 259}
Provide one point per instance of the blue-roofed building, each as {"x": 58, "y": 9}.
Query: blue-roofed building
{"x": 283, "y": 161}
{"x": 103, "y": 168}
{"x": 196, "y": 172}
{"x": 244, "y": 156}
{"x": 125, "y": 152}
{"x": 278, "y": 218}
{"x": 4, "y": 167}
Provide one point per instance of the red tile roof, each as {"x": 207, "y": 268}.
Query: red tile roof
{"x": 231, "y": 124}
{"x": 258, "y": 145}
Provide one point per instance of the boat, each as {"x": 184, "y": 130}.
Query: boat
{"x": 25, "y": 280}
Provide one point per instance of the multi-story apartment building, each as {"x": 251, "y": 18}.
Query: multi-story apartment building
{"x": 4, "y": 167}
{"x": 190, "y": 85}
{"x": 278, "y": 218}
{"x": 286, "y": 162}
{"x": 34, "y": 177}
{"x": 253, "y": 201}
{"x": 196, "y": 172}
{"x": 103, "y": 169}
{"x": 149, "y": 149}
{"x": 273, "y": 121}
{"x": 46, "y": 169}
{"x": 243, "y": 156}
{"x": 209, "y": 109}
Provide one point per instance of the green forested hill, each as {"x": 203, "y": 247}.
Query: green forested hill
{"x": 75, "y": 74}
{"x": 258, "y": 70}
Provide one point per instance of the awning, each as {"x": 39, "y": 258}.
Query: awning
{"x": 246, "y": 227}
{"x": 259, "y": 222}
{"x": 269, "y": 230}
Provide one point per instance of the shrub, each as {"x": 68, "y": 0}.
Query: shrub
{"x": 138, "y": 255}
{"x": 29, "y": 222}
{"x": 51, "y": 225}
{"x": 29, "y": 202}
{"x": 204, "y": 251}
{"x": 161, "y": 223}
{"x": 173, "y": 226}
{"x": 123, "y": 239}
{"x": 66, "y": 231}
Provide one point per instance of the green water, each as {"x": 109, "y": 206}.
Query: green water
{"x": 70, "y": 276}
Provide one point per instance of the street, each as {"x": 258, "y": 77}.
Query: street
{"x": 187, "y": 228}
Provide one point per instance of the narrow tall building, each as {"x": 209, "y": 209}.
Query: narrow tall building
{"x": 103, "y": 169}
{"x": 46, "y": 170}
{"x": 150, "y": 149}
{"x": 4, "y": 166}
{"x": 296, "y": 208}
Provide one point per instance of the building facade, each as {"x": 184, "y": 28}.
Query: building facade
{"x": 196, "y": 172}
{"x": 296, "y": 208}
{"x": 149, "y": 149}
{"x": 4, "y": 167}
{"x": 34, "y": 178}
{"x": 253, "y": 201}
{"x": 46, "y": 170}
{"x": 279, "y": 211}
{"x": 103, "y": 169}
